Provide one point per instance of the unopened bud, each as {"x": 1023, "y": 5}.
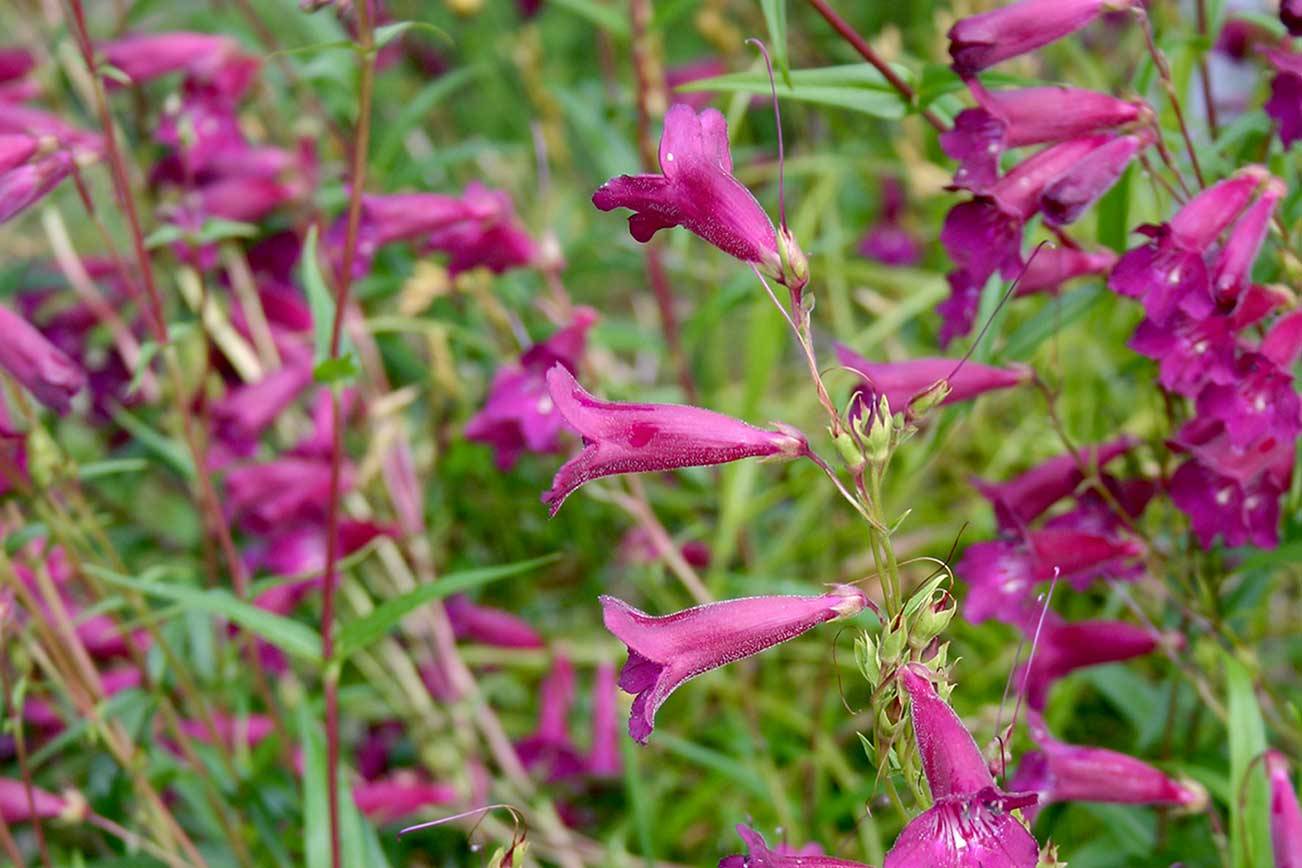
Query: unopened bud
{"x": 849, "y": 449}
{"x": 865, "y": 650}
{"x": 795, "y": 266}
{"x": 932, "y": 620}
{"x": 894, "y": 638}
{"x": 928, "y": 399}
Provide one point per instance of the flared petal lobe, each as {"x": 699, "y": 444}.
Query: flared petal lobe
{"x": 695, "y": 190}
{"x": 664, "y": 652}
{"x": 641, "y": 438}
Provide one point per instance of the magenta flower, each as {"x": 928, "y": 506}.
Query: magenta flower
{"x": 400, "y": 217}
{"x": 549, "y": 748}
{"x": 603, "y": 758}
{"x": 1285, "y": 103}
{"x": 1075, "y": 190}
{"x": 497, "y": 241}
{"x": 37, "y": 364}
{"x": 1052, "y": 267}
{"x": 1191, "y": 353}
{"x": 275, "y": 493}
{"x": 16, "y": 149}
{"x": 1290, "y": 12}
{"x": 1233, "y": 269}
{"x": 1260, "y": 403}
{"x": 970, "y": 824}
{"x": 887, "y": 241}
{"x": 981, "y": 41}
{"x": 694, "y": 70}
{"x": 902, "y": 381}
{"x": 1001, "y": 574}
{"x": 249, "y": 730}
{"x": 642, "y": 438}
{"x": 1285, "y": 815}
{"x": 519, "y": 414}
{"x": 24, "y": 186}
{"x": 697, "y": 191}
{"x": 489, "y": 626}
{"x": 1240, "y": 511}
{"x": 400, "y": 795}
{"x": 665, "y": 652}
{"x": 1067, "y": 646}
{"x": 1060, "y": 772}
{"x": 16, "y": 807}
{"x": 1021, "y": 500}
{"x": 246, "y": 411}
{"x": 1027, "y": 116}
{"x": 15, "y": 63}
{"x": 214, "y": 60}
{"x": 760, "y": 856}
{"x": 1169, "y": 272}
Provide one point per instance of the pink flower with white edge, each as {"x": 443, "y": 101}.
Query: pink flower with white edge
{"x": 665, "y": 652}
{"x": 696, "y": 190}
{"x": 643, "y": 438}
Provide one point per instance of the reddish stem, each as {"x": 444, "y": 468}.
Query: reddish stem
{"x": 866, "y": 51}
{"x": 361, "y": 145}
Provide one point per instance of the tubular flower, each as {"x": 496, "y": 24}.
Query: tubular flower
{"x": 248, "y": 410}
{"x": 1233, "y": 269}
{"x": 1027, "y": 116}
{"x": 37, "y": 364}
{"x": 489, "y": 626}
{"x": 1285, "y": 103}
{"x": 385, "y": 800}
{"x": 1290, "y": 12}
{"x": 214, "y": 60}
{"x": 902, "y": 381}
{"x": 696, "y": 190}
{"x": 758, "y": 855}
{"x": 16, "y": 807}
{"x": 1052, "y": 267}
{"x": 970, "y": 825}
{"x": 887, "y": 241}
{"x": 981, "y": 41}
{"x": 603, "y": 758}
{"x": 550, "y": 747}
{"x": 642, "y": 438}
{"x": 1021, "y": 500}
{"x": 27, "y": 184}
{"x": 665, "y": 652}
{"x": 1169, "y": 274}
{"x": 398, "y": 217}
{"x": 1068, "y": 197}
{"x": 1066, "y": 646}
{"x": 1285, "y": 815}
{"x": 519, "y": 414}
{"x": 497, "y": 241}
{"x": 1060, "y": 772}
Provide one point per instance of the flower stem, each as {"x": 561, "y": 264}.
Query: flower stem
{"x": 330, "y": 579}
{"x": 1164, "y": 73}
{"x": 866, "y": 51}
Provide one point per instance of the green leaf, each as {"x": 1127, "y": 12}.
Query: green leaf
{"x": 607, "y": 18}
{"x": 358, "y": 634}
{"x": 341, "y": 369}
{"x": 170, "y": 452}
{"x": 216, "y": 229}
{"x": 168, "y": 233}
{"x": 1056, "y": 315}
{"x": 389, "y": 32}
{"x": 775, "y": 18}
{"x": 316, "y": 807}
{"x": 1113, "y": 213}
{"x": 288, "y": 635}
{"x": 1250, "y": 802}
{"x": 22, "y": 535}
{"x": 111, "y": 467}
{"x": 855, "y": 86}
{"x": 320, "y": 301}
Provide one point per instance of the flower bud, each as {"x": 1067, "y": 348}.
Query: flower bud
{"x": 928, "y": 399}
{"x": 795, "y": 266}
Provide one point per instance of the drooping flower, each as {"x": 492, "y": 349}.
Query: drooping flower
{"x": 1019, "y": 501}
{"x": 214, "y": 60}
{"x": 25, "y": 185}
{"x": 37, "y": 364}
{"x": 1026, "y": 116}
{"x": 1065, "y": 646}
{"x": 696, "y": 190}
{"x": 603, "y": 758}
{"x": 1169, "y": 274}
{"x": 980, "y": 41}
{"x": 1075, "y": 190}
{"x": 902, "y": 381}
{"x": 1061, "y": 772}
{"x": 1285, "y": 815}
{"x": 497, "y": 241}
{"x": 1285, "y": 103}
{"x": 665, "y": 652}
{"x": 970, "y": 824}
{"x": 400, "y": 795}
{"x": 642, "y": 438}
{"x": 1052, "y": 267}
{"x": 519, "y": 414}
{"x": 758, "y": 855}
{"x": 16, "y": 807}
{"x": 549, "y": 747}
{"x": 1001, "y": 574}
{"x": 489, "y": 626}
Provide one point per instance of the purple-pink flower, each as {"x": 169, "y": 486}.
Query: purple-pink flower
{"x": 1290, "y": 13}
{"x": 1052, "y": 267}
{"x": 902, "y": 381}
{"x": 1285, "y": 103}
{"x": 1285, "y": 815}
{"x": 981, "y": 41}
{"x": 37, "y": 364}
{"x": 496, "y": 241}
{"x": 1061, "y": 772}
{"x": 16, "y": 807}
{"x": 403, "y": 793}
{"x": 549, "y": 748}
{"x": 665, "y": 652}
{"x": 642, "y": 438}
{"x": 1065, "y": 646}
{"x": 603, "y": 758}
{"x": 519, "y": 414}
{"x": 1021, "y": 500}
{"x": 696, "y": 190}
{"x": 25, "y": 185}
{"x": 489, "y": 626}
{"x": 970, "y": 824}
